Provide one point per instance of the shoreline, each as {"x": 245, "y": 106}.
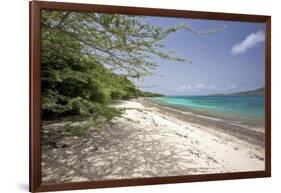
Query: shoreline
{"x": 250, "y": 121}
{"x": 147, "y": 141}
{"x": 244, "y": 132}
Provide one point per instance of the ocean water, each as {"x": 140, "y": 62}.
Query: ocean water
{"x": 246, "y": 110}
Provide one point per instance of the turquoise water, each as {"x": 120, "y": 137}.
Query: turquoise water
{"x": 247, "y": 110}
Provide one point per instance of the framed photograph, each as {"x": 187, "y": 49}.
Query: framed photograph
{"x": 123, "y": 96}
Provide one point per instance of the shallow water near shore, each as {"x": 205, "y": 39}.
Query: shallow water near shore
{"x": 244, "y": 110}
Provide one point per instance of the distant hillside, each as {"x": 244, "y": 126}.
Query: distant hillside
{"x": 256, "y": 92}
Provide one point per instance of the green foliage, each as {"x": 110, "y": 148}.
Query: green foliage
{"x": 88, "y": 60}
{"x": 150, "y": 94}
{"x": 123, "y": 42}
{"x": 80, "y": 87}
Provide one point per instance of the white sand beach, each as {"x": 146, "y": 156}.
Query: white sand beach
{"x": 148, "y": 142}
{"x": 197, "y": 147}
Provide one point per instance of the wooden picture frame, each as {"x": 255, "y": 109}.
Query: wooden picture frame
{"x": 35, "y": 91}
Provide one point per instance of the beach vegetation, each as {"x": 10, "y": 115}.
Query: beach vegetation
{"x": 90, "y": 59}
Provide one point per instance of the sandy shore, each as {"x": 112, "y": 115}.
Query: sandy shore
{"x": 150, "y": 141}
{"x": 248, "y": 133}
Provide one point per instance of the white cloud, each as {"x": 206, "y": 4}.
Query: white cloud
{"x": 249, "y": 42}
{"x": 184, "y": 88}
{"x": 204, "y": 88}
{"x": 189, "y": 87}
{"x": 200, "y": 85}
{"x": 213, "y": 87}
{"x": 196, "y": 87}
{"x": 232, "y": 86}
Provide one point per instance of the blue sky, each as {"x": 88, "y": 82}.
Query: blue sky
{"x": 227, "y": 61}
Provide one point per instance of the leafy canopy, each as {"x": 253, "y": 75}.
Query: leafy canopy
{"x": 88, "y": 60}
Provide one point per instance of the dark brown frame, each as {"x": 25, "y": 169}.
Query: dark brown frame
{"x": 35, "y": 7}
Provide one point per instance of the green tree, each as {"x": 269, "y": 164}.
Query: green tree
{"x": 88, "y": 59}
{"x": 122, "y": 42}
